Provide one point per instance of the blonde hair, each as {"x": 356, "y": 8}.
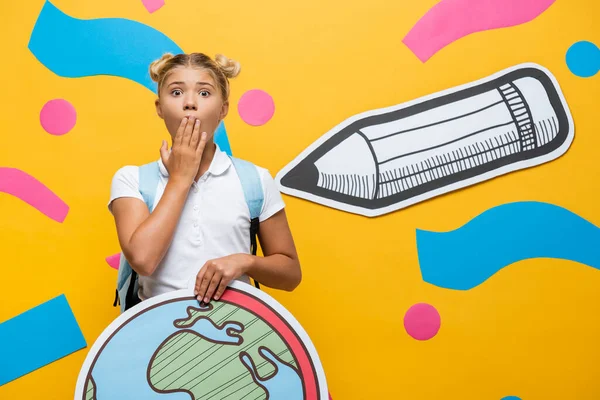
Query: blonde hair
{"x": 221, "y": 68}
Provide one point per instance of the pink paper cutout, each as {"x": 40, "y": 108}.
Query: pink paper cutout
{"x": 114, "y": 260}
{"x": 450, "y": 20}
{"x": 422, "y": 321}
{"x": 256, "y": 107}
{"x": 153, "y": 5}
{"x": 58, "y": 117}
{"x": 25, "y": 187}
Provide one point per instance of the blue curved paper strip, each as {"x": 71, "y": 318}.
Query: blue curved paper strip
{"x": 468, "y": 256}
{"x": 38, "y": 337}
{"x": 220, "y": 138}
{"x": 74, "y": 48}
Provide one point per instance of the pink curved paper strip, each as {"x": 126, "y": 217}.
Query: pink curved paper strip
{"x": 153, "y": 5}
{"x": 114, "y": 260}
{"x": 450, "y": 20}
{"x": 25, "y": 187}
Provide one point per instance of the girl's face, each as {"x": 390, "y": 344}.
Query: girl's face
{"x": 191, "y": 92}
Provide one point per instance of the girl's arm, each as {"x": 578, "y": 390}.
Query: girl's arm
{"x": 278, "y": 269}
{"x": 280, "y": 266}
{"x": 144, "y": 237}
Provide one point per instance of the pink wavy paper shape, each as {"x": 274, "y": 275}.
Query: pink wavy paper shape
{"x": 28, "y": 189}
{"x": 153, "y": 5}
{"x": 114, "y": 260}
{"x": 450, "y": 20}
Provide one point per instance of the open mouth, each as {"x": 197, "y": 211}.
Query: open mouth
{"x": 383, "y": 160}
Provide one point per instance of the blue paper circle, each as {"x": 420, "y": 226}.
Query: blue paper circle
{"x": 583, "y": 59}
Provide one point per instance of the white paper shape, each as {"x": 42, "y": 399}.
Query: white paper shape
{"x": 383, "y": 160}
{"x": 140, "y": 355}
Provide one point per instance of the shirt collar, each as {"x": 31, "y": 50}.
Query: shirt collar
{"x": 218, "y": 165}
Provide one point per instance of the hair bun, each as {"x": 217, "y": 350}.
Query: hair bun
{"x": 157, "y": 66}
{"x": 230, "y": 68}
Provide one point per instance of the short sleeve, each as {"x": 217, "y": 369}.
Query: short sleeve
{"x": 125, "y": 183}
{"x": 273, "y": 202}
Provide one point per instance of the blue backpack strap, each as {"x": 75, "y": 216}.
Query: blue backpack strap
{"x": 251, "y": 184}
{"x": 254, "y": 195}
{"x": 149, "y": 178}
{"x": 127, "y": 280}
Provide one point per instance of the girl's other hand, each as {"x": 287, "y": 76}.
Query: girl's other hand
{"x": 215, "y": 275}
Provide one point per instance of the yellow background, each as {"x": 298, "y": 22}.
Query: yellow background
{"x": 530, "y": 331}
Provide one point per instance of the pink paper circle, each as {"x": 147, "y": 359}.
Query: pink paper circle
{"x": 256, "y": 107}
{"x": 58, "y": 117}
{"x": 422, "y": 321}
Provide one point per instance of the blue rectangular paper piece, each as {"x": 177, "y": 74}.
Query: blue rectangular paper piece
{"x": 38, "y": 337}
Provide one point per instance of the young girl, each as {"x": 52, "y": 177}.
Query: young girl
{"x": 200, "y": 226}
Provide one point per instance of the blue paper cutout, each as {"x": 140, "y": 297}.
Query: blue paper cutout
{"x": 38, "y": 337}
{"x": 583, "y": 59}
{"x": 220, "y": 138}
{"x": 466, "y": 257}
{"x": 74, "y": 48}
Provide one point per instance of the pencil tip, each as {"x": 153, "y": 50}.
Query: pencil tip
{"x": 303, "y": 176}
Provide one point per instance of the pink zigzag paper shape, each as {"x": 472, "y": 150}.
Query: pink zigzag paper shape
{"x": 25, "y": 187}
{"x": 450, "y": 20}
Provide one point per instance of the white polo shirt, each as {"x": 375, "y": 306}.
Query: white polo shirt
{"x": 215, "y": 221}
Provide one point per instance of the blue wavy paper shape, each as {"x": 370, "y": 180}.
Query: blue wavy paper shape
{"x": 466, "y": 257}
{"x": 74, "y": 48}
{"x": 37, "y": 337}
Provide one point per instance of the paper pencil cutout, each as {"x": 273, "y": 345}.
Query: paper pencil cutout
{"x": 387, "y": 159}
